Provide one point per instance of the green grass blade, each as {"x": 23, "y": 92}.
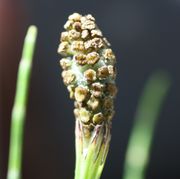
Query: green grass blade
{"x": 19, "y": 108}
{"x": 138, "y": 150}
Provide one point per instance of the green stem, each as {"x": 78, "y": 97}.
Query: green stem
{"x": 91, "y": 151}
{"x": 19, "y": 108}
{"x": 138, "y": 150}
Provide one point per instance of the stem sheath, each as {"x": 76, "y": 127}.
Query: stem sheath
{"x": 91, "y": 150}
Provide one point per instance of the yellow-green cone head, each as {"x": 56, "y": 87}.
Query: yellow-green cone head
{"x": 88, "y": 69}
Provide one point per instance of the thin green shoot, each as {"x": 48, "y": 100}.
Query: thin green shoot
{"x": 138, "y": 150}
{"x": 19, "y": 108}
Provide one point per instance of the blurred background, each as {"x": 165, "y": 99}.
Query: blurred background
{"x": 145, "y": 36}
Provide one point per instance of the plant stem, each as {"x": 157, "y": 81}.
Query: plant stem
{"x": 138, "y": 150}
{"x": 19, "y": 108}
{"x": 91, "y": 151}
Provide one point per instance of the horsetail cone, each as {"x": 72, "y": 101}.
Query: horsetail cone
{"x": 89, "y": 74}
